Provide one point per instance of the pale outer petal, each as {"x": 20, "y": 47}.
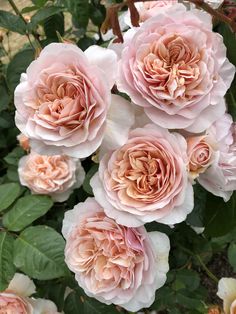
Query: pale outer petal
{"x": 119, "y": 121}
{"x": 161, "y": 247}
{"x": 42, "y": 306}
{"x": 227, "y": 292}
{"x": 179, "y": 214}
{"x": 22, "y": 285}
{"x": 72, "y": 216}
{"x": 213, "y": 181}
{"x": 106, "y": 60}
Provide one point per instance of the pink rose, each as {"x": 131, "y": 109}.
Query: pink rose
{"x": 111, "y": 262}
{"x": 55, "y": 175}
{"x": 146, "y": 179}
{"x": 175, "y": 67}
{"x": 16, "y": 297}
{"x": 220, "y": 178}
{"x": 201, "y": 154}
{"x": 63, "y": 99}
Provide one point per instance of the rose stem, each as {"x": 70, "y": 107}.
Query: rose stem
{"x": 17, "y": 11}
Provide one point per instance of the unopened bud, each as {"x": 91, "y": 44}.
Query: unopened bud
{"x": 27, "y": 18}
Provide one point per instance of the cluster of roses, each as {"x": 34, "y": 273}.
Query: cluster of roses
{"x": 152, "y": 148}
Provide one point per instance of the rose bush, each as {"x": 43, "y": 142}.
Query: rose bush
{"x": 118, "y": 157}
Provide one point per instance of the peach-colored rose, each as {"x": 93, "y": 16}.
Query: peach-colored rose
{"x": 146, "y": 179}
{"x": 55, "y": 175}
{"x": 227, "y": 292}
{"x": 23, "y": 141}
{"x": 111, "y": 262}
{"x": 175, "y": 67}
{"x": 201, "y": 154}
{"x": 63, "y": 99}
{"x": 220, "y": 177}
{"x": 15, "y": 299}
{"x": 12, "y": 304}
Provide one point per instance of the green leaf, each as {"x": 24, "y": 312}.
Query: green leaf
{"x": 229, "y": 41}
{"x": 195, "y": 218}
{"x": 43, "y": 14}
{"x": 26, "y": 210}
{"x": 190, "y": 302}
{"x": 29, "y": 9}
{"x": 39, "y": 3}
{"x": 5, "y": 97}
{"x": 97, "y": 14}
{"x": 12, "y": 174}
{"x": 8, "y": 194}
{"x": 39, "y": 253}
{"x": 7, "y": 268}
{"x": 4, "y": 122}
{"x": 12, "y": 22}
{"x": 85, "y": 42}
{"x": 86, "y": 185}
{"x": 80, "y": 12}
{"x": 73, "y": 302}
{"x": 231, "y": 99}
{"x": 219, "y": 217}
{"x": 54, "y": 24}
{"x": 189, "y": 278}
{"x": 92, "y": 306}
{"x": 232, "y": 255}
{"x": 18, "y": 65}
{"x": 13, "y": 157}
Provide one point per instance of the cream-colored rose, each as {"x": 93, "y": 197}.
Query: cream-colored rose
{"x": 227, "y": 292}
{"x": 15, "y": 299}
{"x": 55, "y": 175}
{"x": 201, "y": 154}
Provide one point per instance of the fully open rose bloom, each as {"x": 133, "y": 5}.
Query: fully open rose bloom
{"x": 16, "y": 298}
{"x": 111, "y": 262}
{"x": 227, "y": 292}
{"x": 63, "y": 99}
{"x": 175, "y": 67}
{"x": 55, "y": 175}
{"x": 146, "y": 179}
{"x": 220, "y": 177}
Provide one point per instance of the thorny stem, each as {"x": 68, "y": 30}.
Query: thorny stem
{"x": 17, "y": 11}
{"x": 207, "y": 270}
{"x": 199, "y": 3}
{"x": 203, "y": 265}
